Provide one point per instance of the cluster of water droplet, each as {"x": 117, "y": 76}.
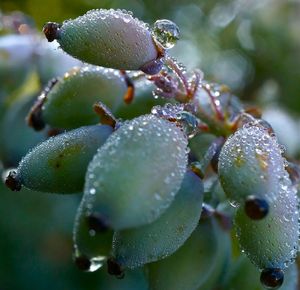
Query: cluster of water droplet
{"x": 168, "y": 111}
{"x": 253, "y": 172}
{"x": 68, "y": 103}
{"x": 250, "y": 163}
{"x": 212, "y": 100}
{"x": 183, "y": 118}
{"x": 123, "y": 14}
{"x": 110, "y": 38}
{"x": 139, "y": 246}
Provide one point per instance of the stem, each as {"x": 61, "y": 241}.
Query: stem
{"x": 173, "y": 65}
{"x": 215, "y": 104}
{"x": 198, "y": 77}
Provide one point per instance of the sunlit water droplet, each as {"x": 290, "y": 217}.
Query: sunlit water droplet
{"x": 165, "y": 33}
{"x": 92, "y": 191}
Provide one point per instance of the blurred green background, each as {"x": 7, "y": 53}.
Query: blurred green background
{"x": 252, "y": 46}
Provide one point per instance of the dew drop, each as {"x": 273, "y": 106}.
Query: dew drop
{"x": 12, "y": 181}
{"x": 286, "y": 219}
{"x": 127, "y": 18}
{"x": 234, "y": 203}
{"x": 167, "y": 180}
{"x": 51, "y": 31}
{"x": 165, "y": 33}
{"x": 256, "y": 208}
{"x": 92, "y": 233}
{"x": 92, "y": 191}
{"x": 272, "y": 278}
{"x": 157, "y": 196}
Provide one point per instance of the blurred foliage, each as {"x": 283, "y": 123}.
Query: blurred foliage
{"x": 252, "y": 46}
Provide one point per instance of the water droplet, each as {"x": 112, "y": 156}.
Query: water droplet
{"x": 189, "y": 123}
{"x": 256, "y": 208}
{"x": 286, "y": 219}
{"x": 92, "y": 191}
{"x": 127, "y": 18}
{"x": 51, "y": 31}
{"x": 272, "y": 278}
{"x": 157, "y": 196}
{"x": 167, "y": 180}
{"x": 92, "y": 233}
{"x": 234, "y": 203}
{"x": 165, "y": 33}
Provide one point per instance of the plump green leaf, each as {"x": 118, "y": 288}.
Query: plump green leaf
{"x": 135, "y": 176}
{"x": 69, "y": 103}
{"x": 59, "y": 164}
{"x": 109, "y": 38}
{"x": 159, "y": 239}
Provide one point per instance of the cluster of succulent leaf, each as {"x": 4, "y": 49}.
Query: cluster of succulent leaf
{"x": 174, "y": 171}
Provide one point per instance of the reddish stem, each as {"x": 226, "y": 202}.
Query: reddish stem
{"x": 215, "y": 104}
{"x": 173, "y": 65}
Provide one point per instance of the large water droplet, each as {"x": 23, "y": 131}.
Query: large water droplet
{"x": 189, "y": 123}
{"x": 165, "y": 33}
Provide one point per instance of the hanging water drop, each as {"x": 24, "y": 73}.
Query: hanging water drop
{"x": 51, "y": 30}
{"x": 165, "y": 33}
{"x": 272, "y": 278}
{"x": 256, "y": 208}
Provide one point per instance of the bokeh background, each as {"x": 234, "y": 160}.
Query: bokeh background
{"x": 251, "y": 46}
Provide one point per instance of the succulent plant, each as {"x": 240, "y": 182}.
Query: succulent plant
{"x": 166, "y": 179}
